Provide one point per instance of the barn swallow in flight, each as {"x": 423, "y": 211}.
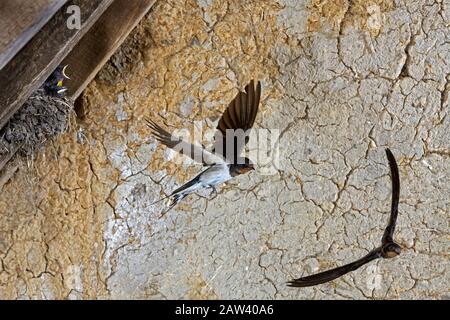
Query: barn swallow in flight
{"x": 54, "y": 85}
{"x": 388, "y": 249}
{"x": 224, "y": 161}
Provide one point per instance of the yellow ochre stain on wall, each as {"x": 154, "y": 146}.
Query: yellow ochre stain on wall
{"x": 363, "y": 14}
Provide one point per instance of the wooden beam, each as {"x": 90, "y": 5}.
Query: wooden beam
{"x": 20, "y": 20}
{"x": 102, "y": 40}
{"x": 96, "y": 47}
{"x": 42, "y": 54}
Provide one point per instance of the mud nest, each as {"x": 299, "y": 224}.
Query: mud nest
{"x": 39, "y": 119}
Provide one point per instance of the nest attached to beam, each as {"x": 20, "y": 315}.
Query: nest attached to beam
{"x": 41, "y": 118}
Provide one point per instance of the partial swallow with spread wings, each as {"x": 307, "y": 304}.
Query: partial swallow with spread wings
{"x": 388, "y": 249}
{"x": 224, "y": 161}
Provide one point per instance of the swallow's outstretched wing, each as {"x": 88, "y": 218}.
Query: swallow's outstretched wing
{"x": 240, "y": 114}
{"x": 196, "y": 152}
{"x": 332, "y": 274}
{"x": 239, "y": 117}
{"x": 389, "y": 231}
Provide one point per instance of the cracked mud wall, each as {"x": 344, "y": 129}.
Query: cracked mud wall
{"x": 342, "y": 80}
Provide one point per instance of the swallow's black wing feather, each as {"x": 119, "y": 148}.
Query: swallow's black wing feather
{"x": 332, "y": 274}
{"x": 196, "y": 152}
{"x": 389, "y": 231}
{"x": 240, "y": 114}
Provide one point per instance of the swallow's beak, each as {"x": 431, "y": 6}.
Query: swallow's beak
{"x": 64, "y": 72}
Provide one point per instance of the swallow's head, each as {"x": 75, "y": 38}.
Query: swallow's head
{"x": 54, "y": 85}
{"x": 242, "y": 168}
{"x": 391, "y": 250}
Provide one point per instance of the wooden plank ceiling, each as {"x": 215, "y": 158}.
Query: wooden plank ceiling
{"x": 20, "y": 20}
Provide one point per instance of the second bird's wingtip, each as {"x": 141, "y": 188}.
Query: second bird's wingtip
{"x": 389, "y": 154}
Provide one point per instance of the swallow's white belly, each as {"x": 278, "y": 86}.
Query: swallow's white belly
{"x": 215, "y": 175}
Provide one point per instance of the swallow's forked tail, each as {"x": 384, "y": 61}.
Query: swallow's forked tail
{"x": 179, "y": 194}
{"x": 175, "y": 199}
{"x": 162, "y": 199}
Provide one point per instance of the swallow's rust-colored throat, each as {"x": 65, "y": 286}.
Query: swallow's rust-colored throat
{"x": 245, "y": 170}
